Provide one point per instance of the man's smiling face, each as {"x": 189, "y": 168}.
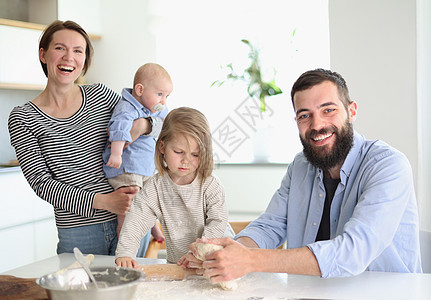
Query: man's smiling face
{"x": 325, "y": 125}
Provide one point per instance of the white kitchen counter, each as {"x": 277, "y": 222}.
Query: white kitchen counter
{"x": 265, "y": 286}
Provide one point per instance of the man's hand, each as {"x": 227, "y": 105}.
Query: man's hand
{"x": 231, "y": 262}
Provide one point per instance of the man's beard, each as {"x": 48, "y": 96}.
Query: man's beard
{"x": 321, "y": 157}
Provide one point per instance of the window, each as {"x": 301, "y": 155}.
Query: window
{"x": 194, "y": 38}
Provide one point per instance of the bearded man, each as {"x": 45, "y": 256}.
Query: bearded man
{"x": 345, "y": 205}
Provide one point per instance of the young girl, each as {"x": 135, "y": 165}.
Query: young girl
{"x": 184, "y": 196}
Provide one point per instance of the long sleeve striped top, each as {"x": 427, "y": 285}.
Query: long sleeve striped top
{"x": 62, "y": 158}
{"x": 186, "y": 212}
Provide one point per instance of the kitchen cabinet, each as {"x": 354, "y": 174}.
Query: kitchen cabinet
{"x": 27, "y": 225}
{"x": 19, "y": 62}
{"x": 27, "y": 243}
{"x": 43, "y": 12}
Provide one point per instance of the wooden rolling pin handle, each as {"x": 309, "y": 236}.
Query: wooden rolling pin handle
{"x": 166, "y": 272}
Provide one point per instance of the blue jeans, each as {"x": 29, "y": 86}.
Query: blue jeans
{"x": 94, "y": 239}
{"x": 90, "y": 239}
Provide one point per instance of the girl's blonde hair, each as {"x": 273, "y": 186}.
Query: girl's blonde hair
{"x": 189, "y": 122}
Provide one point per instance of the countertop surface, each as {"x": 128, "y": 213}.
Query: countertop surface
{"x": 263, "y": 286}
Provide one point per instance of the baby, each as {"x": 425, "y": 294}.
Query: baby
{"x": 133, "y": 165}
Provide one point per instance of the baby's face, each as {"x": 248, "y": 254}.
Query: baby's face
{"x": 155, "y": 94}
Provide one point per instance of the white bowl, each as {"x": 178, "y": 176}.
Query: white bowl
{"x": 74, "y": 284}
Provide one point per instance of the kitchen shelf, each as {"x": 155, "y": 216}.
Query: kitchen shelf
{"x": 34, "y": 26}
{"x": 21, "y": 86}
{"x": 15, "y": 28}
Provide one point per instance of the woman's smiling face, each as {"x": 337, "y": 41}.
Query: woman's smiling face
{"x": 65, "y": 56}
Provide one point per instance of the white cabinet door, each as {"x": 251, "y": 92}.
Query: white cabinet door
{"x": 19, "y": 56}
{"x": 19, "y": 203}
{"x": 25, "y": 244}
{"x": 17, "y": 247}
{"x": 45, "y": 239}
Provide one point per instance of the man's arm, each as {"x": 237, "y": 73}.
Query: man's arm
{"x": 240, "y": 258}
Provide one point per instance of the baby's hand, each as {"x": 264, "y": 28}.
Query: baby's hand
{"x": 114, "y": 161}
{"x": 126, "y": 262}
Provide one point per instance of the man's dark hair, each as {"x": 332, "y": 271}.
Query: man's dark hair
{"x": 314, "y": 77}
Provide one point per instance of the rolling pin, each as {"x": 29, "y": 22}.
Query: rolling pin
{"x": 166, "y": 272}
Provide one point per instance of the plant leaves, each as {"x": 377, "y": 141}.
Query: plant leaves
{"x": 253, "y": 76}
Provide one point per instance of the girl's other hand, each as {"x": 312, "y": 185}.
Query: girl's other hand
{"x": 126, "y": 262}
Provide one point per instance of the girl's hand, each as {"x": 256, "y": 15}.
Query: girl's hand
{"x": 126, "y": 262}
{"x": 190, "y": 261}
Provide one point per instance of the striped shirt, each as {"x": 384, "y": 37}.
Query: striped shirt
{"x": 62, "y": 158}
{"x": 186, "y": 212}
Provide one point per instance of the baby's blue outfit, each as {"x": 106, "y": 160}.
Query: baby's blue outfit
{"x": 138, "y": 157}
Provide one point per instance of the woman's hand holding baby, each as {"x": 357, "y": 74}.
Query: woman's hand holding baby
{"x": 118, "y": 201}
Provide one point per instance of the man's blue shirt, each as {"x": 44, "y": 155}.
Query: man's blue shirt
{"x": 373, "y": 219}
{"x": 138, "y": 157}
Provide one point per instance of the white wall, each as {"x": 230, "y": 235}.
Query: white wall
{"x": 424, "y": 107}
{"x": 373, "y": 45}
{"x": 126, "y": 43}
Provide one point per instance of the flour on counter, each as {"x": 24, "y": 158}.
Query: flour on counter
{"x": 252, "y": 286}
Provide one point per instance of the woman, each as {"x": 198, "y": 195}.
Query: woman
{"x": 59, "y": 138}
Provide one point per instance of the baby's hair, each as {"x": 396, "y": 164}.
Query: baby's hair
{"x": 150, "y": 72}
{"x": 188, "y": 122}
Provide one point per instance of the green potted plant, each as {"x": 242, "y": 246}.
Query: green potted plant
{"x": 252, "y": 75}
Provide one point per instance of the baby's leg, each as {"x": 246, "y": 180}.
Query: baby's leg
{"x": 157, "y": 234}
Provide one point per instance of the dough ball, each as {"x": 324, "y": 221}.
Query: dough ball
{"x": 228, "y": 285}
{"x": 203, "y": 250}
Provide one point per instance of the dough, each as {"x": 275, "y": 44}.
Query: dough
{"x": 203, "y": 250}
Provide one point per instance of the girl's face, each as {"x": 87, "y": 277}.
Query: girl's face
{"x": 65, "y": 56}
{"x": 182, "y": 156}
